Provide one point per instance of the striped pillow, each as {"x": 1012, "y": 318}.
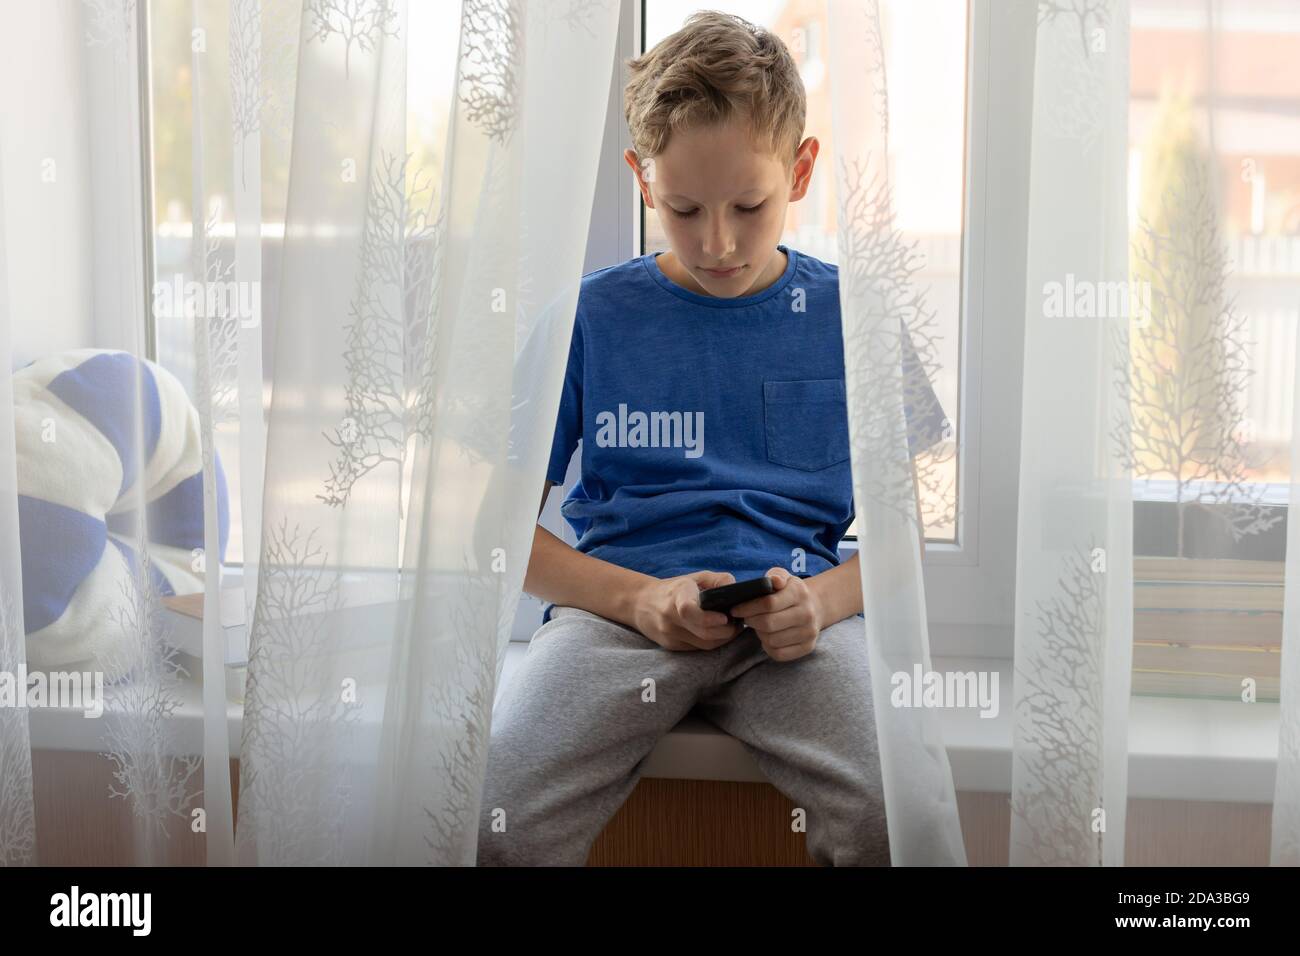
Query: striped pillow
{"x": 76, "y": 440}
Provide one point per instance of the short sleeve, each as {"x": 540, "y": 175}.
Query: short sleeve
{"x": 568, "y": 423}
{"x": 926, "y": 421}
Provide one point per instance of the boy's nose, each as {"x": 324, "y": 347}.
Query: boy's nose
{"x": 718, "y": 248}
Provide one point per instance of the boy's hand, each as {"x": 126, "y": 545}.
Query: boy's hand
{"x": 668, "y": 612}
{"x": 788, "y": 621}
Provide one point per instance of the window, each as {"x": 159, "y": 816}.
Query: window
{"x": 1213, "y": 89}
{"x": 1241, "y": 143}
{"x": 183, "y": 36}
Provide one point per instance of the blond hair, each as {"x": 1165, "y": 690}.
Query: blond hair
{"x": 715, "y": 68}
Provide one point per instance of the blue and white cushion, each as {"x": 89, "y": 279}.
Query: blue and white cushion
{"x": 78, "y": 470}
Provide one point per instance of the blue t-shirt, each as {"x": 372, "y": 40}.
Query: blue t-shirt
{"x": 714, "y": 430}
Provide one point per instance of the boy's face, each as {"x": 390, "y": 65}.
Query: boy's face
{"x": 722, "y": 206}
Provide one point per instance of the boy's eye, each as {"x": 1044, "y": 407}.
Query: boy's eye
{"x": 691, "y": 212}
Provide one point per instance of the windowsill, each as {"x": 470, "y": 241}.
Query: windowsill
{"x": 1179, "y": 749}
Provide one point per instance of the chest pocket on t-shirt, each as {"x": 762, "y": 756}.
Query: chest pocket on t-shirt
{"x": 806, "y": 422}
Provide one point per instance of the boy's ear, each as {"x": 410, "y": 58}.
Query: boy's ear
{"x": 644, "y": 170}
{"x": 804, "y": 158}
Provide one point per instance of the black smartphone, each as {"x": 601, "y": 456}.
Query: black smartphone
{"x": 729, "y": 595}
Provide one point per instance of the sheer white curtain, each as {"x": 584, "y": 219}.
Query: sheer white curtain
{"x": 419, "y": 357}
{"x": 1116, "y": 400}
{"x": 883, "y": 306}
{"x": 1139, "y": 383}
{"x": 17, "y": 808}
{"x": 102, "y": 454}
{"x": 416, "y": 337}
{"x": 1074, "y": 562}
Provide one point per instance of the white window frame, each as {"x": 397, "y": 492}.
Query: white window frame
{"x": 970, "y": 586}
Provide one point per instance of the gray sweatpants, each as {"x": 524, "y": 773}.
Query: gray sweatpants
{"x": 571, "y": 735}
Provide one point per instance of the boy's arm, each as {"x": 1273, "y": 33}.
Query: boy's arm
{"x": 564, "y": 576}
{"x": 839, "y": 589}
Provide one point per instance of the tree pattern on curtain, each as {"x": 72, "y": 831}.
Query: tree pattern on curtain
{"x": 1078, "y": 111}
{"x": 1061, "y": 809}
{"x": 150, "y": 771}
{"x": 358, "y": 23}
{"x": 17, "y": 818}
{"x": 290, "y": 720}
{"x": 381, "y": 415}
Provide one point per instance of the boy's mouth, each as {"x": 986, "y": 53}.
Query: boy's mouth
{"x": 723, "y": 273}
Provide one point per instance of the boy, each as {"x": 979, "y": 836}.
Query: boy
{"x": 707, "y": 386}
